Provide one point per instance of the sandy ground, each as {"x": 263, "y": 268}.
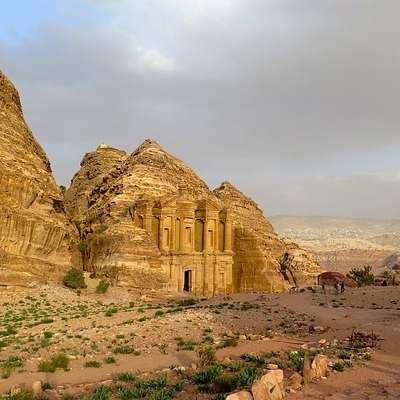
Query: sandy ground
{"x": 91, "y": 326}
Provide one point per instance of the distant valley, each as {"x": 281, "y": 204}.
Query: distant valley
{"x": 344, "y": 243}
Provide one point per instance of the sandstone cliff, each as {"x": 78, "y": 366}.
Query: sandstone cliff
{"x": 142, "y": 220}
{"x": 35, "y": 234}
{"x": 113, "y": 195}
{"x": 274, "y": 258}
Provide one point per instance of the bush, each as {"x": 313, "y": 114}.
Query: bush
{"x": 248, "y": 375}
{"x": 57, "y": 361}
{"x": 102, "y": 287}
{"x": 74, "y": 279}
{"x": 82, "y": 247}
{"x": 295, "y": 359}
{"x": 207, "y": 356}
{"x": 92, "y": 364}
{"x": 7, "y": 366}
{"x": 228, "y": 342}
{"x": 338, "y": 366}
{"x": 363, "y": 276}
{"x": 24, "y": 394}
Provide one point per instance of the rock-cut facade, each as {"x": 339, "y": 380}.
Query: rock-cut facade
{"x": 194, "y": 240}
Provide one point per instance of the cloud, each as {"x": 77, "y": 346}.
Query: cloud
{"x": 266, "y": 94}
{"x": 152, "y": 59}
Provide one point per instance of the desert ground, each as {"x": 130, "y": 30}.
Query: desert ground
{"x": 106, "y": 336}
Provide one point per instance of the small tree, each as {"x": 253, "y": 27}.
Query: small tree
{"x": 74, "y": 279}
{"x": 63, "y": 189}
{"x": 102, "y": 287}
{"x": 363, "y": 276}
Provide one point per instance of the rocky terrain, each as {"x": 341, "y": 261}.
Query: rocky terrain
{"x": 143, "y": 220}
{"x": 340, "y": 244}
{"x": 37, "y": 240}
{"x": 64, "y": 344}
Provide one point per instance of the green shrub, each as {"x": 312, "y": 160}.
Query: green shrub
{"x": 25, "y": 394}
{"x": 296, "y": 359}
{"x": 367, "y": 356}
{"x": 187, "y": 302}
{"x": 208, "y": 375}
{"x": 126, "y": 350}
{"x": 110, "y": 360}
{"x": 101, "y": 393}
{"x": 126, "y": 376}
{"x": 10, "y": 330}
{"x": 46, "y": 320}
{"x": 225, "y": 383}
{"x": 46, "y": 386}
{"x": 338, "y": 366}
{"x": 207, "y": 356}
{"x": 188, "y": 345}
{"x": 9, "y": 365}
{"x": 102, "y": 228}
{"x": 102, "y": 287}
{"x": 58, "y": 361}
{"x": 159, "y": 313}
{"x": 228, "y": 342}
{"x": 74, "y": 279}
{"x": 363, "y": 276}
{"x": 92, "y": 364}
{"x": 82, "y": 246}
{"x": 248, "y": 375}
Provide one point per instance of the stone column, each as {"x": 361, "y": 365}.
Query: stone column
{"x": 228, "y": 234}
{"x": 216, "y": 234}
{"x": 172, "y": 233}
{"x": 182, "y": 238}
{"x": 205, "y": 234}
{"x": 161, "y": 233}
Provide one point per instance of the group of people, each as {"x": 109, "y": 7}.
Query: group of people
{"x": 339, "y": 287}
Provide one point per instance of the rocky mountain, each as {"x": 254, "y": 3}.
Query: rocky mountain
{"x": 37, "y": 241}
{"x": 340, "y": 244}
{"x": 141, "y": 220}
{"x": 150, "y": 221}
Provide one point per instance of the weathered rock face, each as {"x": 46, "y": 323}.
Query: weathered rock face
{"x": 35, "y": 234}
{"x": 95, "y": 170}
{"x": 299, "y": 266}
{"x": 143, "y": 220}
{"x": 149, "y": 221}
{"x": 257, "y": 248}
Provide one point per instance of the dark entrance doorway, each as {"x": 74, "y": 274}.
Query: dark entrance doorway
{"x": 187, "y": 281}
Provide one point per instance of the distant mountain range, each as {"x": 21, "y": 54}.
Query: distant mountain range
{"x": 343, "y": 243}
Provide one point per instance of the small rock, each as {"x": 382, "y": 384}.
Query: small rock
{"x": 37, "y": 387}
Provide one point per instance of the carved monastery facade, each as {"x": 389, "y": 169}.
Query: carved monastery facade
{"x": 194, "y": 239}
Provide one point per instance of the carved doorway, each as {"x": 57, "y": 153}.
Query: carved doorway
{"x": 187, "y": 280}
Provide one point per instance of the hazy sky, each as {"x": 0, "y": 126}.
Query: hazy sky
{"x": 296, "y": 103}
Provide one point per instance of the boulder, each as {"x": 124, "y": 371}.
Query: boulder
{"x": 269, "y": 386}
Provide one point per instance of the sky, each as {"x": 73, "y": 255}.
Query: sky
{"x": 295, "y": 103}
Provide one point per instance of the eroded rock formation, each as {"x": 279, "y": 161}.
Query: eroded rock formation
{"x": 149, "y": 221}
{"x": 141, "y": 220}
{"x": 36, "y": 237}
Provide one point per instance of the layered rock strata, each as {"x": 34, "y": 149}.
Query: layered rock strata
{"x": 36, "y": 237}
{"x": 147, "y": 220}
{"x": 142, "y": 220}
